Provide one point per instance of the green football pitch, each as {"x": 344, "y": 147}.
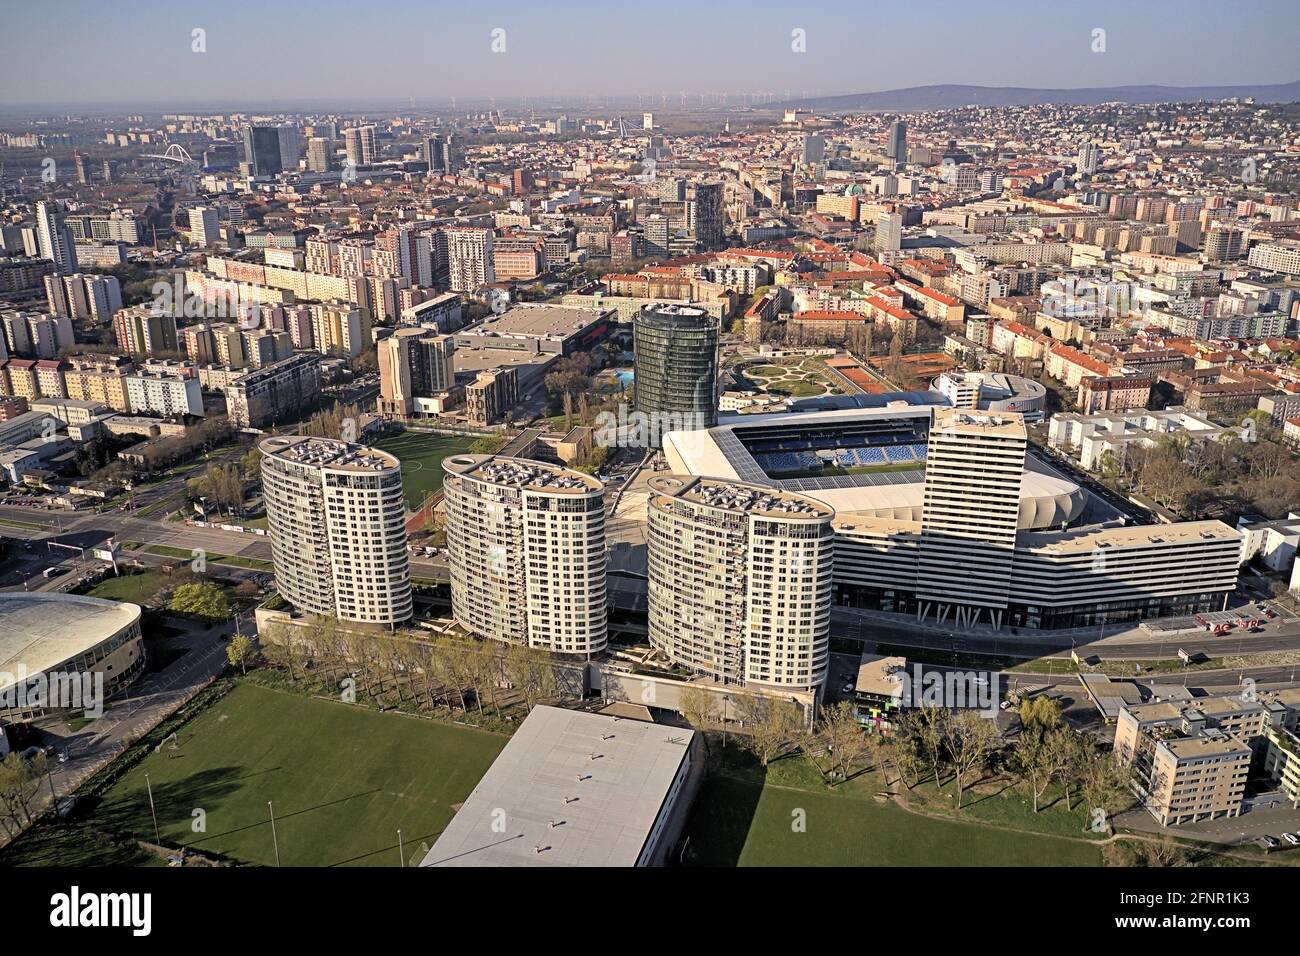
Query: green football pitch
{"x": 421, "y": 456}
{"x": 343, "y": 781}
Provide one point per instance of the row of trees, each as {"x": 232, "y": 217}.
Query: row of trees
{"x": 447, "y": 670}
{"x": 927, "y": 741}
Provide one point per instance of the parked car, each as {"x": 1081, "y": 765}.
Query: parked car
{"x": 1291, "y": 838}
{"x": 1270, "y": 842}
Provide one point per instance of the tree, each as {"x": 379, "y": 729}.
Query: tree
{"x": 529, "y": 669}
{"x": 1039, "y": 714}
{"x": 772, "y": 726}
{"x": 201, "y": 599}
{"x": 844, "y": 739}
{"x": 1040, "y": 757}
{"x": 884, "y": 751}
{"x": 696, "y": 705}
{"x": 929, "y": 725}
{"x": 970, "y": 739}
{"x": 1101, "y": 779}
{"x": 19, "y": 781}
{"x": 239, "y": 652}
{"x": 252, "y": 465}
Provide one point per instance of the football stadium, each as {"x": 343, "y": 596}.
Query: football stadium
{"x": 860, "y": 460}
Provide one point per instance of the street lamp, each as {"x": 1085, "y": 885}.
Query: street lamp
{"x": 274, "y": 839}
{"x": 152, "y": 812}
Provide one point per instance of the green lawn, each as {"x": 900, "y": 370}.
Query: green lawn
{"x": 343, "y": 780}
{"x": 234, "y": 560}
{"x": 136, "y": 588}
{"x": 25, "y": 525}
{"x": 788, "y": 819}
{"x": 421, "y": 456}
{"x": 797, "y": 389}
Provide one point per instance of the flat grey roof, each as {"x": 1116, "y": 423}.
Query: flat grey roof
{"x": 618, "y": 770}
{"x": 537, "y": 321}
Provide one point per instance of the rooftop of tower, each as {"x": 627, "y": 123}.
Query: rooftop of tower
{"x": 328, "y": 453}
{"x": 522, "y": 473}
{"x": 1003, "y": 424}
{"x": 739, "y": 497}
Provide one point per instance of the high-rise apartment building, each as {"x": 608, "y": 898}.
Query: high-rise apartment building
{"x": 205, "y": 226}
{"x": 319, "y": 154}
{"x": 140, "y": 330}
{"x": 889, "y": 232}
{"x": 973, "y": 472}
{"x": 414, "y": 363}
{"x": 431, "y": 153}
{"x": 814, "y": 149}
{"x": 526, "y": 545}
{"x": 492, "y": 394}
{"x": 704, "y": 213}
{"x": 54, "y": 238}
{"x": 290, "y": 146}
{"x": 268, "y": 394}
{"x": 359, "y": 145}
{"x": 89, "y": 297}
{"x": 740, "y": 581}
{"x": 336, "y": 520}
{"x": 469, "y": 258}
{"x": 340, "y": 329}
{"x": 1089, "y": 159}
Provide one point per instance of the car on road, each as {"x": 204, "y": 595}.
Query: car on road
{"x": 1291, "y": 838}
{"x": 846, "y": 689}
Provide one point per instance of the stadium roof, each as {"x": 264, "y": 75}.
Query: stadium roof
{"x": 40, "y": 631}
{"x": 571, "y": 788}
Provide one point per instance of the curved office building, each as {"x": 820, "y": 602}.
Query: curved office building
{"x": 676, "y": 361}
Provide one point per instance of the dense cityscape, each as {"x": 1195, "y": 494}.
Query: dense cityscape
{"x": 674, "y": 480}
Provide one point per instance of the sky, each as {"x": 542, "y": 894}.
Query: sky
{"x": 137, "y": 52}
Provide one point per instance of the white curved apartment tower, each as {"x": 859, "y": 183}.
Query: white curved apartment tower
{"x": 337, "y": 524}
{"x": 526, "y": 544}
{"x": 740, "y": 581}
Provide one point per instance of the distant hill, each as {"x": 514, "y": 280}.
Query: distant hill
{"x": 951, "y": 95}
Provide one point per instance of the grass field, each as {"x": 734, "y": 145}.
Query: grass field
{"x": 421, "y": 456}
{"x": 343, "y": 781}
{"x": 744, "y": 817}
{"x": 136, "y": 588}
{"x": 234, "y": 560}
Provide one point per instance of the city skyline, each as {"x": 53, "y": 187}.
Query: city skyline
{"x": 252, "y": 56}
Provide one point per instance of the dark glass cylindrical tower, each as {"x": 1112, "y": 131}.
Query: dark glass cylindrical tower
{"x": 676, "y": 361}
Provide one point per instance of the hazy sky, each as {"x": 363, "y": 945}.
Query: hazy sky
{"x": 136, "y": 51}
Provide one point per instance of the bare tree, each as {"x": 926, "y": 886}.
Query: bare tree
{"x": 772, "y": 726}
{"x": 970, "y": 739}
